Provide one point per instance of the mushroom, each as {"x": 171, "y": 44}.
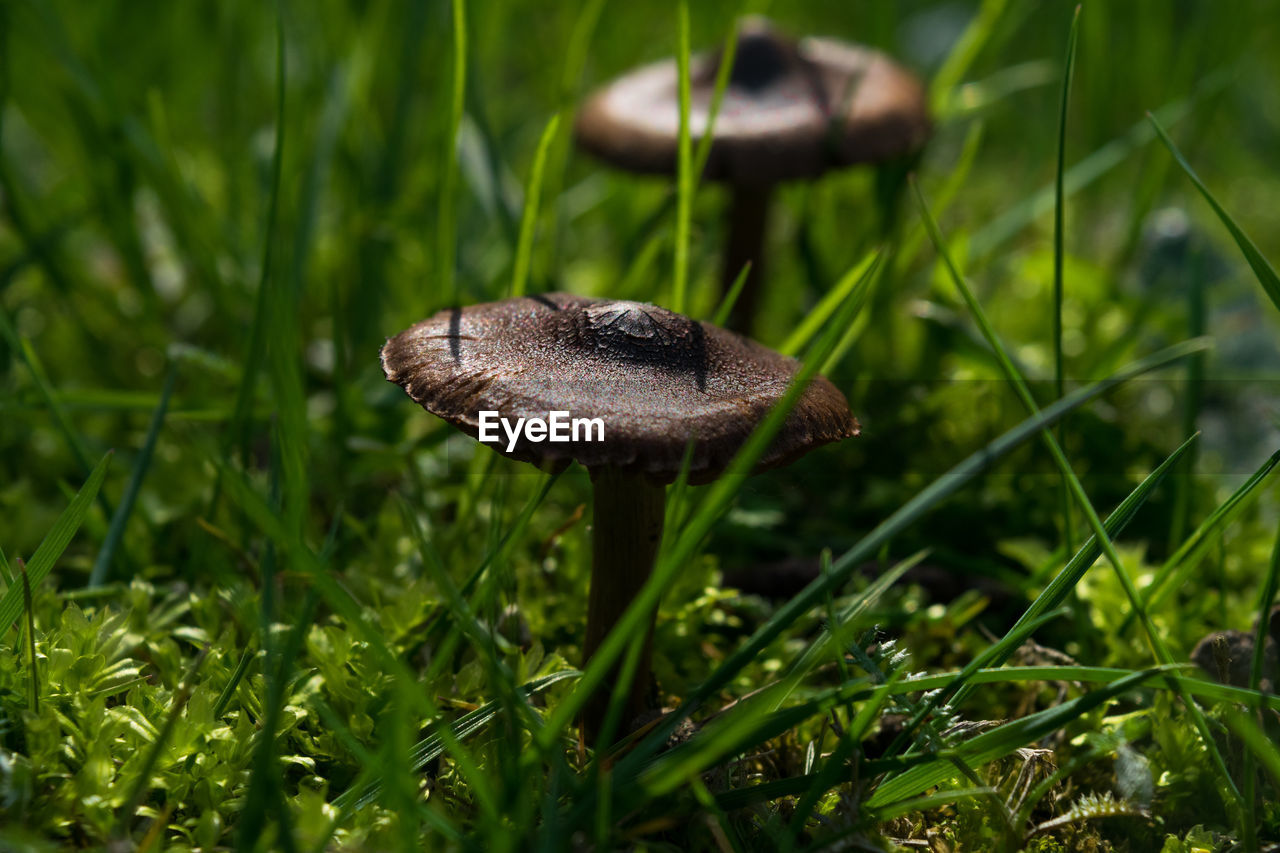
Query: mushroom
{"x": 792, "y": 110}
{"x": 657, "y": 381}
{"x": 1227, "y": 657}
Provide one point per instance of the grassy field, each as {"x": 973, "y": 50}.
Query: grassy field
{"x": 254, "y": 598}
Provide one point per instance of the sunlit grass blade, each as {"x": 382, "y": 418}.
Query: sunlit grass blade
{"x": 529, "y": 219}
{"x": 229, "y": 689}
{"x": 369, "y": 764}
{"x": 1266, "y": 599}
{"x": 728, "y": 52}
{"x": 931, "y": 801}
{"x": 731, "y": 297}
{"x": 446, "y": 211}
{"x": 1064, "y": 581}
{"x": 956, "y": 175}
{"x": 684, "y": 164}
{"x": 140, "y": 466}
{"x": 1262, "y": 269}
{"x": 858, "y": 278}
{"x": 960, "y": 59}
{"x": 55, "y": 542}
{"x": 908, "y": 514}
{"x": 1196, "y": 546}
{"x": 575, "y": 60}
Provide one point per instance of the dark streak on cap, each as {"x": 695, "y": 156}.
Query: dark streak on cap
{"x": 791, "y": 110}
{"x": 657, "y": 380}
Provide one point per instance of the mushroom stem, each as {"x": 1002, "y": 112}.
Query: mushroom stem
{"x": 629, "y": 512}
{"x": 748, "y": 221}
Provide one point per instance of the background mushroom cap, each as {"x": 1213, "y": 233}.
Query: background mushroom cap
{"x": 657, "y": 379}
{"x": 1227, "y": 657}
{"x": 791, "y": 110}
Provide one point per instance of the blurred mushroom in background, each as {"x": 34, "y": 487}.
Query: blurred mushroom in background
{"x": 792, "y": 110}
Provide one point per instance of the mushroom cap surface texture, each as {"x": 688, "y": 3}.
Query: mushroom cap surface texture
{"x": 792, "y": 109}
{"x": 655, "y": 378}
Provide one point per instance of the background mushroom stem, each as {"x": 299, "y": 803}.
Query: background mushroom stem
{"x": 629, "y": 511}
{"x": 748, "y": 222}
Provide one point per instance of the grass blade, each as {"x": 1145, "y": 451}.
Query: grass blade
{"x": 904, "y": 517}
{"x": 1262, "y": 269}
{"x": 1198, "y": 544}
{"x": 55, "y": 542}
{"x": 857, "y": 279}
{"x": 103, "y": 562}
{"x": 999, "y": 742}
{"x": 1085, "y": 171}
{"x": 1059, "y": 255}
{"x": 684, "y": 164}
{"x": 1154, "y": 637}
{"x": 1260, "y": 746}
{"x": 529, "y": 219}
{"x": 731, "y": 297}
{"x": 446, "y": 214}
{"x": 31, "y": 637}
{"x": 1056, "y": 592}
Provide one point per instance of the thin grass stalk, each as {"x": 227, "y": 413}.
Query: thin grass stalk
{"x": 684, "y": 161}
{"x": 1059, "y": 255}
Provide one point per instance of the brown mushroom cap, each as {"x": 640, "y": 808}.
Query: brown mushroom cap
{"x": 1227, "y": 657}
{"x": 656, "y": 379}
{"x": 791, "y": 110}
